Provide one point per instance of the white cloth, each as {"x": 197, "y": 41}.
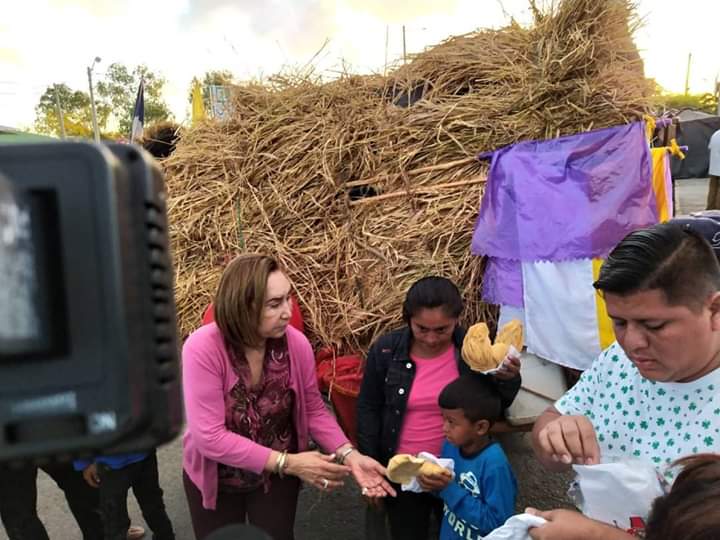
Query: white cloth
{"x": 638, "y": 418}
{"x": 714, "y": 147}
{"x": 516, "y": 528}
{"x": 634, "y": 485}
{"x": 560, "y": 312}
{"x": 414, "y": 485}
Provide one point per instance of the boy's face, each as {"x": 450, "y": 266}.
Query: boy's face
{"x": 460, "y": 431}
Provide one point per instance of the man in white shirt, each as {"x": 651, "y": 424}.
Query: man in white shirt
{"x": 652, "y": 395}
{"x": 713, "y": 202}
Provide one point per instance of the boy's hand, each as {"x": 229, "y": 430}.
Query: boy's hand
{"x": 434, "y": 482}
{"x": 91, "y": 476}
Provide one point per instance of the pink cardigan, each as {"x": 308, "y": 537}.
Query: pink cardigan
{"x": 208, "y": 377}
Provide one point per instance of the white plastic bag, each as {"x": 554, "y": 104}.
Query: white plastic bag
{"x": 414, "y": 486}
{"x": 516, "y": 528}
{"x": 617, "y": 490}
{"x": 512, "y": 353}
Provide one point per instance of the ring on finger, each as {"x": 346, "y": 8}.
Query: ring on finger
{"x": 325, "y": 483}
{"x": 364, "y": 491}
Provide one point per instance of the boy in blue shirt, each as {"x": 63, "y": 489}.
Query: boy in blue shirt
{"x": 481, "y": 497}
{"x": 114, "y": 476}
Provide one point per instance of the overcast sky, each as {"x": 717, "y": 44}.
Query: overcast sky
{"x": 48, "y": 41}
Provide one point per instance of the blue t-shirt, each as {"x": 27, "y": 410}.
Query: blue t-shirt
{"x": 481, "y": 497}
{"x": 118, "y": 461}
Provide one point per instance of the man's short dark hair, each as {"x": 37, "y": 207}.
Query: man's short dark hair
{"x": 476, "y": 395}
{"x": 432, "y": 292}
{"x": 670, "y": 257}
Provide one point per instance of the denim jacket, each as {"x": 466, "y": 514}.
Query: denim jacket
{"x": 388, "y": 377}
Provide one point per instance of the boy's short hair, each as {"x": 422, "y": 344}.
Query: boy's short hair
{"x": 671, "y": 257}
{"x": 476, "y": 395}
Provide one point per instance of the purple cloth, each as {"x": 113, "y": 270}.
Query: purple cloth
{"x": 502, "y": 282}
{"x": 569, "y": 198}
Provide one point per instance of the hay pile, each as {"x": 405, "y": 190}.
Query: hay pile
{"x": 283, "y": 175}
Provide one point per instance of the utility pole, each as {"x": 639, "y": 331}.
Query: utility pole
{"x": 58, "y": 108}
{"x": 404, "y": 49}
{"x": 387, "y": 39}
{"x": 687, "y": 75}
{"x": 96, "y": 131}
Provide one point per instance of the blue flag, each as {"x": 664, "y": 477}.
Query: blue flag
{"x": 138, "y": 114}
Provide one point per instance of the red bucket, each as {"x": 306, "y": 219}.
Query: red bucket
{"x": 341, "y": 377}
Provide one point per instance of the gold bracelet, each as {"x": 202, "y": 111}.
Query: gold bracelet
{"x": 279, "y": 463}
{"x": 345, "y": 454}
{"x": 282, "y": 463}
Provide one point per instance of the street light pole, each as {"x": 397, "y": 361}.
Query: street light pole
{"x": 58, "y": 108}
{"x": 96, "y": 131}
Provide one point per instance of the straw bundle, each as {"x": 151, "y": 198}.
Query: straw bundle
{"x": 283, "y": 175}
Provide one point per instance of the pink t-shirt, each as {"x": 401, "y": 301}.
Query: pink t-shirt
{"x": 422, "y": 429}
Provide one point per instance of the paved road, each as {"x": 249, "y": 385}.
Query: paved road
{"x": 330, "y": 516}
{"x": 691, "y": 195}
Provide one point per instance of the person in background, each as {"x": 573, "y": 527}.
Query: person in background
{"x": 18, "y": 501}
{"x": 113, "y": 476}
{"x": 405, "y": 371}
{"x": 481, "y": 496}
{"x": 713, "y": 201}
{"x": 252, "y": 405}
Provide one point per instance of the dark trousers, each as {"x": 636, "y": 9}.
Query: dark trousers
{"x": 18, "y": 502}
{"x": 409, "y": 514}
{"x": 713, "y": 199}
{"x": 142, "y": 477}
{"x": 273, "y": 512}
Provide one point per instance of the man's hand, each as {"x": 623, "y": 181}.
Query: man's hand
{"x": 91, "y": 476}
{"x": 570, "y": 525}
{"x": 567, "y": 440}
{"x": 435, "y": 482}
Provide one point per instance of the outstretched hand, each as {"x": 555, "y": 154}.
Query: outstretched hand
{"x": 369, "y": 475}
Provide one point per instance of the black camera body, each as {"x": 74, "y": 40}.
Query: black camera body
{"x": 88, "y": 339}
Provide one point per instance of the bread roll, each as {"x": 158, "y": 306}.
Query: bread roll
{"x": 429, "y": 467}
{"x": 499, "y": 352}
{"x": 404, "y": 467}
{"x": 477, "y": 349}
{"x": 511, "y": 334}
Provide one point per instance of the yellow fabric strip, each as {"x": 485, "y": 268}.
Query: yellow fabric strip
{"x": 605, "y": 329}
{"x": 659, "y": 162}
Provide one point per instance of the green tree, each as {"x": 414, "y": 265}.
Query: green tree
{"x": 118, "y": 89}
{"x": 77, "y": 113}
{"x": 222, "y": 77}
{"x": 703, "y": 102}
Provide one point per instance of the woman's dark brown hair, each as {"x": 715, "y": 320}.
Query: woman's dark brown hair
{"x": 240, "y": 299}
{"x": 690, "y": 511}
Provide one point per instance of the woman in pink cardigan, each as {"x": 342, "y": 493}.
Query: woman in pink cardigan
{"x": 252, "y": 406}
